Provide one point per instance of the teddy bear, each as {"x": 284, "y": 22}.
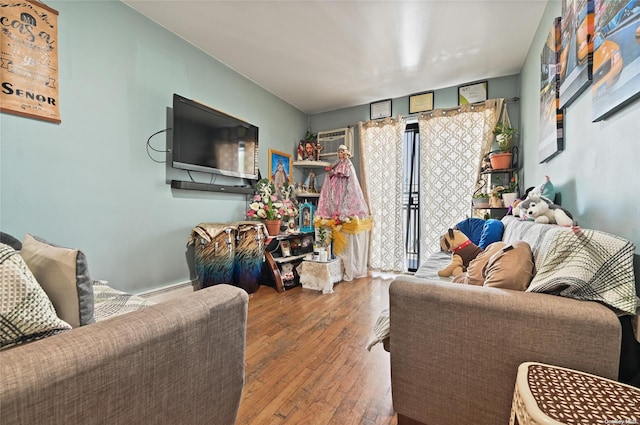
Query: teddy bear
{"x": 542, "y": 210}
{"x": 462, "y": 252}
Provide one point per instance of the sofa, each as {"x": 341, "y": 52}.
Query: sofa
{"x": 174, "y": 362}
{"x": 455, "y": 348}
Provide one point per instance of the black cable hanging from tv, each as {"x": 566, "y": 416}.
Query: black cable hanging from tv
{"x": 154, "y": 149}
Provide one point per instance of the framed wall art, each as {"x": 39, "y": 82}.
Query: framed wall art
{"x": 551, "y": 133}
{"x": 279, "y": 167}
{"x": 576, "y": 51}
{"x": 29, "y": 64}
{"x": 381, "y": 109}
{"x": 472, "y": 93}
{"x": 616, "y": 74}
{"x": 421, "y": 102}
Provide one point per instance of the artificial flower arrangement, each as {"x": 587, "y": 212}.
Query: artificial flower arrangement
{"x": 339, "y": 228}
{"x": 270, "y": 203}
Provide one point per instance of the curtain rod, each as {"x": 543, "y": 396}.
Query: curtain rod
{"x": 455, "y": 108}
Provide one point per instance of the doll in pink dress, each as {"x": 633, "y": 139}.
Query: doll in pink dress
{"x": 341, "y": 195}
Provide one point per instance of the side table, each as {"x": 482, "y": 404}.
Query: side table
{"x": 320, "y": 275}
{"x": 547, "y": 394}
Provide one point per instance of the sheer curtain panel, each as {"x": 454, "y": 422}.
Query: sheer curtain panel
{"x": 381, "y": 163}
{"x": 452, "y": 145}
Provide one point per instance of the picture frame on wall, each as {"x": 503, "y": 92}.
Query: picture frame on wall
{"x": 380, "y": 109}
{"x": 472, "y": 93}
{"x": 616, "y": 53}
{"x": 421, "y": 102}
{"x": 551, "y": 141}
{"x": 29, "y": 50}
{"x": 576, "y": 50}
{"x": 279, "y": 167}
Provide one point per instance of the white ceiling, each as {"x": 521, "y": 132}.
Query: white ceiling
{"x": 326, "y": 55}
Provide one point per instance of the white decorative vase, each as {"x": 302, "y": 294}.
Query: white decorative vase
{"x": 508, "y": 198}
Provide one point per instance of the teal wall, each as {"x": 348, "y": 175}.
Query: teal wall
{"x": 88, "y": 182}
{"x": 597, "y": 173}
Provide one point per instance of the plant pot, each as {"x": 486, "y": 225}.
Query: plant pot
{"x": 480, "y": 202}
{"x": 273, "y": 227}
{"x": 500, "y": 161}
{"x": 508, "y": 198}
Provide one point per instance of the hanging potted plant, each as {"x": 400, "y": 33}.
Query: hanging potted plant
{"x": 504, "y": 133}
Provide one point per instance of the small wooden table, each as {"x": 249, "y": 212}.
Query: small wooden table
{"x": 320, "y": 275}
{"x": 547, "y": 394}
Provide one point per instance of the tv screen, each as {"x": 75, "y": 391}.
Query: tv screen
{"x": 211, "y": 141}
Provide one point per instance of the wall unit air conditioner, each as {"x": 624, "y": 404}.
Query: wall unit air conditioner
{"x": 329, "y": 141}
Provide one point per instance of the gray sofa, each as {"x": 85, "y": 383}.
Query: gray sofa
{"x": 176, "y": 362}
{"x": 455, "y": 348}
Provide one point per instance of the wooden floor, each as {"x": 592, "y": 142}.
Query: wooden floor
{"x": 307, "y": 361}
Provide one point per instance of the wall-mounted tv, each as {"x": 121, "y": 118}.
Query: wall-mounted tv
{"x": 211, "y": 141}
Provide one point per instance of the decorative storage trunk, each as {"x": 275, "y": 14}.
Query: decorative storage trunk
{"x": 230, "y": 253}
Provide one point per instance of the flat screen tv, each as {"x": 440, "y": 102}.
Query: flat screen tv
{"x": 211, "y": 141}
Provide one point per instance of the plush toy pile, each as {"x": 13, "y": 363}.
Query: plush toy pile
{"x": 542, "y": 210}
{"x": 538, "y": 206}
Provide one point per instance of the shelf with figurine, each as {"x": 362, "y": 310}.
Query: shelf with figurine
{"x": 310, "y": 168}
{"x": 496, "y": 191}
{"x": 283, "y": 254}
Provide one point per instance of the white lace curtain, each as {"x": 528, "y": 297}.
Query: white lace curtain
{"x": 381, "y": 165}
{"x": 452, "y": 145}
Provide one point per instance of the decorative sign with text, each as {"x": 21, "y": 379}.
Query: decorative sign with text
{"x": 29, "y": 60}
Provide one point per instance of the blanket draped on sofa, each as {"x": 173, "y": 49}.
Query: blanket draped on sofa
{"x": 579, "y": 263}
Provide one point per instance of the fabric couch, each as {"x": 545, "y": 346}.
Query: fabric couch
{"x": 175, "y": 362}
{"x": 455, "y": 348}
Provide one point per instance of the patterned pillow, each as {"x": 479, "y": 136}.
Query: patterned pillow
{"x": 63, "y": 273}
{"x": 26, "y": 314}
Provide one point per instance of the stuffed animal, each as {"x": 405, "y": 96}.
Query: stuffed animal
{"x": 462, "y": 252}
{"x": 542, "y": 210}
{"x": 494, "y": 197}
{"x": 546, "y": 189}
{"x": 287, "y": 273}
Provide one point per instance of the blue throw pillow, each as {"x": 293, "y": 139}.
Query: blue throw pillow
{"x": 491, "y": 232}
{"x": 472, "y": 228}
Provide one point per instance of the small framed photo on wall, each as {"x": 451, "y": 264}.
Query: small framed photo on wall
{"x": 381, "y": 109}
{"x": 472, "y": 93}
{"x": 421, "y": 102}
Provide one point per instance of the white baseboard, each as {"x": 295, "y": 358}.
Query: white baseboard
{"x": 166, "y": 289}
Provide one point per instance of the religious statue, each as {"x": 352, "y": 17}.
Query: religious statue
{"x": 341, "y": 195}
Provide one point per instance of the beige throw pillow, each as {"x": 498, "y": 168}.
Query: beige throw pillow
{"x": 26, "y": 314}
{"x": 511, "y": 267}
{"x": 63, "y": 275}
{"x": 501, "y": 265}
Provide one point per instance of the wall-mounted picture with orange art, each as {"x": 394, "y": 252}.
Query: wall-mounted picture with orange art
{"x": 551, "y": 140}
{"x": 576, "y": 51}
{"x": 616, "y": 56}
